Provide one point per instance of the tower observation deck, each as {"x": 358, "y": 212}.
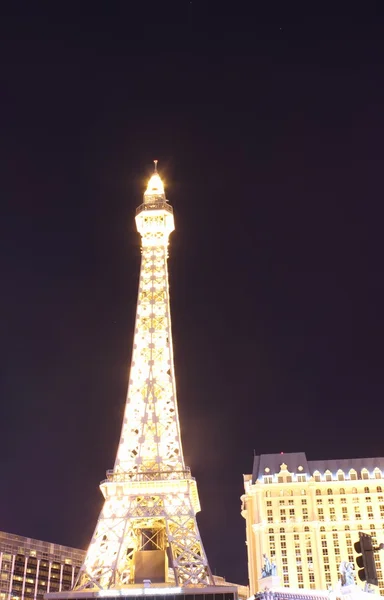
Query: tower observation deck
{"x": 147, "y": 532}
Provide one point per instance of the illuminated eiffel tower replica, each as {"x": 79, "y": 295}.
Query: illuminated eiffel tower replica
{"x": 147, "y": 532}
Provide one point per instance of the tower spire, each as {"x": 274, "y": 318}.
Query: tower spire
{"x": 155, "y": 188}
{"x": 148, "y": 521}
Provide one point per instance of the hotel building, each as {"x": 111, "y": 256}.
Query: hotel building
{"x": 31, "y": 568}
{"x": 306, "y": 515}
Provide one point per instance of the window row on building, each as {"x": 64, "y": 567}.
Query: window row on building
{"x": 351, "y": 475}
{"x": 330, "y": 491}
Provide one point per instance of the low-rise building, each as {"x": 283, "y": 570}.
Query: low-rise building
{"x": 30, "y": 568}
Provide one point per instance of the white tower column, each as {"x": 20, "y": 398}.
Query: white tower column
{"x": 24, "y": 577}
{"x": 11, "y": 575}
{"x": 37, "y": 577}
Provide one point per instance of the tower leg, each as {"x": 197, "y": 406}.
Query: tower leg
{"x": 138, "y": 536}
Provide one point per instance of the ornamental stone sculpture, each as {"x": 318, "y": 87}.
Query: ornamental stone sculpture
{"x": 269, "y": 569}
{"x": 346, "y": 572}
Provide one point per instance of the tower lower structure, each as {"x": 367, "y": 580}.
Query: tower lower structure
{"x": 147, "y": 532}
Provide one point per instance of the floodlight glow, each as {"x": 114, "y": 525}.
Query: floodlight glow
{"x": 146, "y": 591}
{"x": 155, "y": 186}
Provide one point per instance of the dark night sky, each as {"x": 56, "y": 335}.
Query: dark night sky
{"x": 269, "y": 134}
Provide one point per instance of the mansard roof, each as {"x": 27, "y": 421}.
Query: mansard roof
{"x": 293, "y": 460}
{"x": 270, "y": 464}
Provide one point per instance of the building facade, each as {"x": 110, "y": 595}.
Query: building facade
{"x": 306, "y": 516}
{"x": 30, "y": 568}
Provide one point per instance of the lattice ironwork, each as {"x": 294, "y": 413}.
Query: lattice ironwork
{"x": 150, "y": 497}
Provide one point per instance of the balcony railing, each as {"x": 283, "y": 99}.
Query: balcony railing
{"x": 156, "y": 205}
{"x": 123, "y": 477}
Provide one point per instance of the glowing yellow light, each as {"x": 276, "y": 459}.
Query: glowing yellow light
{"x": 136, "y": 591}
{"x": 155, "y": 186}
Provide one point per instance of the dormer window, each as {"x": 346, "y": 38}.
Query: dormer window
{"x": 284, "y": 476}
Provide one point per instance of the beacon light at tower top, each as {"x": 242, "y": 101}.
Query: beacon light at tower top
{"x": 154, "y": 218}
{"x": 155, "y": 187}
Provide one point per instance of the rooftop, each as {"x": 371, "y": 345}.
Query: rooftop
{"x": 297, "y": 463}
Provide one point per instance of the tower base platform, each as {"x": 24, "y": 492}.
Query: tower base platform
{"x": 151, "y": 592}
